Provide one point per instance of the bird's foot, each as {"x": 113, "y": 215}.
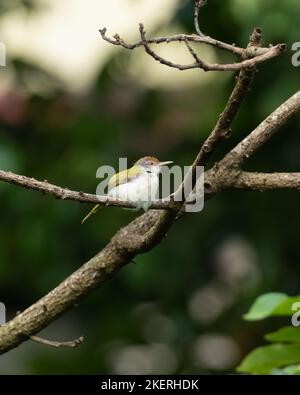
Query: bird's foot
{"x": 141, "y": 205}
{"x": 145, "y": 205}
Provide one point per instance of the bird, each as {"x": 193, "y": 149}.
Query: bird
{"x": 138, "y": 184}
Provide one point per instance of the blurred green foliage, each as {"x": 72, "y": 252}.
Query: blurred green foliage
{"x": 283, "y": 356}
{"x": 178, "y": 308}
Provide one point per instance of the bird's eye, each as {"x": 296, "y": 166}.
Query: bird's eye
{"x": 148, "y": 171}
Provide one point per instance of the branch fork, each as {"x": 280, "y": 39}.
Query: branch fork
{"x": 253, "y": 55}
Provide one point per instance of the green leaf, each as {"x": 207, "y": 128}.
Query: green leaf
{"x": 286, "y": 307}
{"x": 292, "y": 370}
{"x": 287, "y": 334}
{"x": 265, "y": 305}
{"x": 264, "y": 360}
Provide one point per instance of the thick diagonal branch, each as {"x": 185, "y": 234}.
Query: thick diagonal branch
{"x": 135, "y": 238}
{"x": 222, "y": 128}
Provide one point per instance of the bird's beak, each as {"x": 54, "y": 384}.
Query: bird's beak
{"x": 168, "y": 162}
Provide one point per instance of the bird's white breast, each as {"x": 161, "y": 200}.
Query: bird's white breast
{"x": 142, "y": 189}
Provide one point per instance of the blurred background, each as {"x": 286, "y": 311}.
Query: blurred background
{"x": 70, "y": 102}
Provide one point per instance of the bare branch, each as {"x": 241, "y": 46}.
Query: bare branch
{"x": 139, "y": 236}
{"x": 220, "y": 179}
{"x": 222, "y": 129}
{"x": 198, "y": 61}
{"x": 254, "y": 55}
{"x": 267, "y": 181}
{"x": 69, "y": 344}
{"x": 117, "y": 40}
{"x": 198, "y": 4}
{"x": 67, "y": 194}
{"x": 261, "y": 56}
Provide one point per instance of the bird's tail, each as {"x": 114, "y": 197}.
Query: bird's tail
{"x": 93, "y": 211}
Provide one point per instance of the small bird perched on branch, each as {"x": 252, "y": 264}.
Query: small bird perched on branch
{"x": 138, "y": 184}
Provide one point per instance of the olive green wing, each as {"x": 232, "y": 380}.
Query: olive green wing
{"x": 123, "y": 177}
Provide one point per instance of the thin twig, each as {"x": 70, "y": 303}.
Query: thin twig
{"x": 198, "y": 61}
{"x": 117, "y": 40}
{"x": 198, "y": 4}
{"x": 256, "y": 55}
{"x": 248, "y": 63}
{"x": 70, "y": 344}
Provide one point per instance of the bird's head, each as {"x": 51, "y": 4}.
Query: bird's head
{"x": 150, "y": 164}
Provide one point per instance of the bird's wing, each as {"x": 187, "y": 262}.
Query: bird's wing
{"x": 123, "y": 177}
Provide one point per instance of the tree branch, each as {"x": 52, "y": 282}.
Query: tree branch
{"x": 200, "y": 64}
{"x": 117, "y": 40}
{"x": 135, "y": 238}
{"x": 66, "y": 194}
{"x": 222, "y": 129}
{"x": 69, "y": 344}
{"x": 198, "y": 4}
{"x": 250, "y": 57}
{"x": 267, "y": 181}
{"x": 254, "y": 54}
